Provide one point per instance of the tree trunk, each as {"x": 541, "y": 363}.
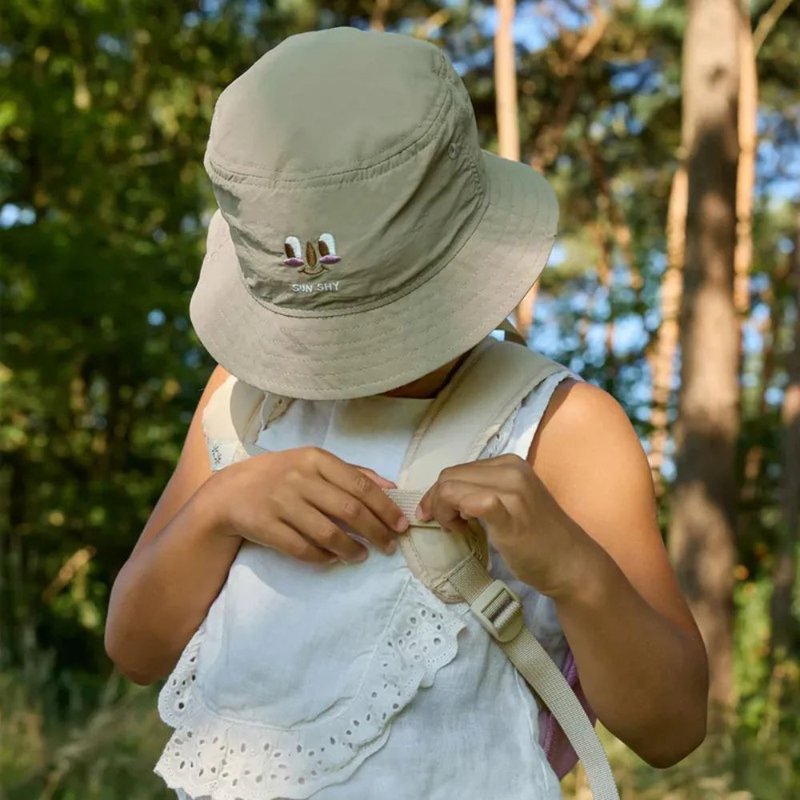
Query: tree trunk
{"x": 507, "y": 113}
{"x": 377, "y": 20}
{"x": 785, "y": 568}
{"x": 662, "y": 363}
{"x": 702, "y": 540}
{"x": 746, "y": 174}
{"x": 547, "y": 143}
{"x": 505, "y": 81}
{"x": 604, "y": 236}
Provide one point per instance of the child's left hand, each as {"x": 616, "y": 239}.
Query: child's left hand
{"x": 536, "y": 538}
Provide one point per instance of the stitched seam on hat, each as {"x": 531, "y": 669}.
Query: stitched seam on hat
{"x": 386, "y": 300}
{"x": 543, "y": 246}
{"x": 331, "y": 379}
{"x": 377, "y": 302}
{"x": 439, "y": 69}
{"x": 420, "y": 280}
{"x": 478, "y": 179}
{"x": 400, "y": 292}
{"x": 480, "y": 188}
{"x": 394, "y": 161}
{"x": 227, "y": 172}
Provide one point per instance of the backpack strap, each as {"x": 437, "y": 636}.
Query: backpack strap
{"x": 491, "y": 382}
{"x": 500, "y": 612}
{"x": 236, "y": 412}
{"x": 511, "y": 333}
{"x": 494, "y": 378}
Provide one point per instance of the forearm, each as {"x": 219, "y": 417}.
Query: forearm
{"x": 164, "y": 590}
{"x": 645, "y": 676}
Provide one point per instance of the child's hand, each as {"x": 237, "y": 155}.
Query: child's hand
{"x": 536, "y": 538}
{"x": 292, "y": 500}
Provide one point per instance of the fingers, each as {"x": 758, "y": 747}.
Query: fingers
{"x": 287, "y": 540}
{"x": 504, "y": 475}
{"x": 502, "y": 472}
{"x": 451, "y": 502}
{"x": 363, "y": 489}
{"x": 323, "y": 532}
{"x": 334, "y": 502}
{"x": 384, "y": 483}
{"x": 316, "y": 506}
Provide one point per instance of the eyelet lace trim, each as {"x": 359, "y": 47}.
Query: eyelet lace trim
{"x": 222, "y": 452}
{"x": 225, "y": 451}
{"x": 228, "y": 759}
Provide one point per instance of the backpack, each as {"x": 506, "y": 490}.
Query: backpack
{"x": 490, "y": 383}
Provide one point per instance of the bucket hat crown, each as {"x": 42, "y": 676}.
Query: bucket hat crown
{"x": 363, "y": 237}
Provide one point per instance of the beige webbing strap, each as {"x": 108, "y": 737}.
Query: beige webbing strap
{"x": 407, "y": 500}
{"x": 511, "y": 333}
{"x": 482, "y": 394}
{"x": 484, "y": 391}
{"x": 487, "y": 387}
{"x": 500, "y": 612}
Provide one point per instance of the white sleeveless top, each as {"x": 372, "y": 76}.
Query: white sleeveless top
{"x": 350, "y": 682}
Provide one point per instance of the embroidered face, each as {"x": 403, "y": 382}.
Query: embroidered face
{"x": 312, "y": 265}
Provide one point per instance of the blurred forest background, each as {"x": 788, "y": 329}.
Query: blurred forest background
{"x": 671, "y": 132}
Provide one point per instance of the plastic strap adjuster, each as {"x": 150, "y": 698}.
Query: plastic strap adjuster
{"x": 499, "y": 610}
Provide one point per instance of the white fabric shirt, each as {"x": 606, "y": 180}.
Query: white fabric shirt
{"x": 353, "y": 682}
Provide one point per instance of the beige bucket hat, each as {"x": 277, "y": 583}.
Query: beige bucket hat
{"x": 363, "y": 237}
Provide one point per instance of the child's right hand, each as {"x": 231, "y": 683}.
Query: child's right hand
{"x": 294, "y": 501}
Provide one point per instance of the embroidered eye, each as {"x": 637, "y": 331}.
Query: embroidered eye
{"x": 293, "y": 250}
{"x": 327, "y": 249}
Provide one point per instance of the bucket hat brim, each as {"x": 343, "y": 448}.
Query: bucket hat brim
{"x": 361, "y": 353}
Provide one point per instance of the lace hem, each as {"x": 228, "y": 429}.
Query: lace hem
{"x": 226, "y": 759}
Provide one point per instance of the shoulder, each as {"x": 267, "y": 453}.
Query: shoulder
{"x": 217, "y": 377}
{"x": 589, "y": 455}
{"x": 582, "y": 421}
{"x": 193, "y": 468}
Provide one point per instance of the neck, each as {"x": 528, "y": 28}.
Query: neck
{"x": 431, "y": 384}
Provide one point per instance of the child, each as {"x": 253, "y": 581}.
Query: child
{"x": 364, "y": 245}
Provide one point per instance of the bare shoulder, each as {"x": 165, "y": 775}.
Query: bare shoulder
{"x": 192, "y": 469}
{"x": 585, "y": 425}
{"x": 193, "y": 461}
{"x": 217, "y": 377}
{"x": 589, "y": 457}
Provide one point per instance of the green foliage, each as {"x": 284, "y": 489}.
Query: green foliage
{"x": 104, "y": 114}
{"x": 100, "y": 745}
{"x": 757, "y": 756}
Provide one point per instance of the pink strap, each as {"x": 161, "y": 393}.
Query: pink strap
{"x": 552, "y": 738}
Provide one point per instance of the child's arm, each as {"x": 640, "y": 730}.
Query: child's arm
{"x": 176, "y": 568}
{"x": 282, "y": 500}
{"x": 641, "y": 658}
{"x": 581, "y": 527}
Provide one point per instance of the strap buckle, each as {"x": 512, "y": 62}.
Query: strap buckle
{"x": 499, "y": 611}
